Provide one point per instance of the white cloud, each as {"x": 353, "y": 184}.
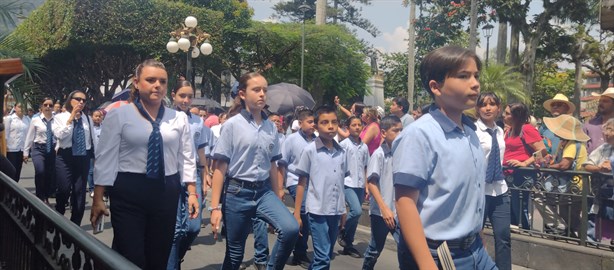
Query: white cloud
{"x": 395, "y": 41}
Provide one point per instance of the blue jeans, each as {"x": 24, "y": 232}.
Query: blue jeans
{"x": 475, "y": 257}
{"x": 90, "y": 176}
{"x": 354, "y": 198}
{"x": 324, "y": 230}
{"x": 300, "y": 249}
{"x": 498, "y": 212}
{"x": 261, "y": 241}
{"x": 241, "y": 205}
{"x": 379, "y": 231}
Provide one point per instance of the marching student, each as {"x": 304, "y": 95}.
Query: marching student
{"x": 291, "y": 151}
{"x": 323, "y": 163}
{"x": 381, "y": 202}
{"x": 246, "y": 153}
{"x": 439, "y": 169}
{"x": 354, "y": 188}
{"x": 16, "y": 126}
{"x": 145, "y": 151}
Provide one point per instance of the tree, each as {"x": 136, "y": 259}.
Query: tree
{"x": 550, "y": 81}
{"x": 505, "y": 82}
{"x": 601, "y": 57}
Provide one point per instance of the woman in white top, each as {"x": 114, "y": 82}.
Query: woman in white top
{"x": 145, "y": 150}
{"x": 72, "y": 130}
{"x": 497, "y": 208}
{"x": 42, "y": 143}
{"x": 16, "y": 126}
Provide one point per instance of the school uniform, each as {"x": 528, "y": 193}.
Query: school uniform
{"x": 379, "y": 172}
{"x": 497, "y": 204}
{"x": 291, "y": 150}
{"x": 354, "y": 186}
{"x": 446, "y": 164}
{"x": 41, "y": 143}
{"x": 15, "y": 130}
{"x": 143, "y": 200}
{"x": 186, "y": 229}
{"x": 325, "y": 170}
{"x": 72, "y": 163}
{"x": 249, "y": 149}
{"x": 96, "y": 136}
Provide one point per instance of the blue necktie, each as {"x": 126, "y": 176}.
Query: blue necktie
{"x": 78, "y": 139}
{"x": 494, "y": 172}
{"x": 49, "y": 133}
{"x": 155, "y": 145}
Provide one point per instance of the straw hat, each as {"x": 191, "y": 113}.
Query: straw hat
{"x": 608, "y": 92}
{"x": 566, "y": 127}
{"x": 560, "y": 98}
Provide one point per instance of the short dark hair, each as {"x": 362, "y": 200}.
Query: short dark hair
{"x": 440, "y": 63}
{"x": 324, "y": 110}
{"x": 271, "y": 114}
{"x": 302, "y": 114}
{"x": 389, "y": 121}
{"x": 401, "y": 101}
{"x": 348, "y": 122}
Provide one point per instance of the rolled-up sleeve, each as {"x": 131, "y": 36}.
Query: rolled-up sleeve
{"x": 223, "y": 147}
{"x": 107, "y": 150}
{"x": 374, "y": 170}
{"x": 186, "y": 157}
{"x": 412, "y": 159}
{"x": 303, "y": 164}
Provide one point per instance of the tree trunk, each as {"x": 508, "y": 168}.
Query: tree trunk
{"x": 473, "y": 35}
{"x": 514, "y": 45}
{"x": 605, "y": 81}
{"x": 411, "y": 52}
{"x": 528, "y": 63}
{"x": 577, "y": 85}
{"x": 502, "y": 42}
{"x": 320, "y": 12}
{"x": 335, "y": 6}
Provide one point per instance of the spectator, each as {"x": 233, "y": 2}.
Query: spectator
{"x": 216, "y": 129}
{"x": 557, "y": 105}
{"x": 16, "y": 126}
{"x": 371, "y": 134}
{"x": 400, "y": 108}
{"x": 212, "y": 118}
{"x": 605, "y": 112}
{"x": 57, "y": 107}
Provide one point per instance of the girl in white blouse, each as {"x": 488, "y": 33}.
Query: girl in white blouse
{"x": 144, "y": 151}
{"x": 41, "y": 141}
{"x": 16, "y": 126}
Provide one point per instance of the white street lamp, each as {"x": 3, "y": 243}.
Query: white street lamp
{"x": 191, "y": 22}
{"x": 184, "y": 44}
{"x": 172, "y": 46}
{"x": 206, "y": 48}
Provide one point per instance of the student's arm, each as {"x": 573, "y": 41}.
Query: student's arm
{"x": 28, "y": 142}
{"x": 298, "y": 202}
{"x": 281, "y": 176}
{"x": 370, "y": 134}
{"x": 387, "y": 214}
{"x": 411, "y": 226}
{"x": 220, "y": 168}
{"x": 276, "y": 185}
{"x": 343, "y": 133}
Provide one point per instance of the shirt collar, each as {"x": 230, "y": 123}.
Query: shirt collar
{"x": 386, "y": 148}
{"x": 300, "y": 131}
{"x": 186, "y": 112}
{"x": 320, "y": 144}
{"x": 482, "y": 126}
{"x": 445, "y": 122}
{"x": 250, "y": 117}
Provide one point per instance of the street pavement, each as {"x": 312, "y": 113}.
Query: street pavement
{"x": 207, "y": 253}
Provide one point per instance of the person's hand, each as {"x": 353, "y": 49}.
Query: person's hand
{"x": 605, "y": 167}
{"x": 515, "y": 163}
{"x": 98, "y": 209}
{"x": 25, "y": 159}
{"x": 216, "y": 220}
{"x": 193, "y": 207}
{"x": 388, "y": 217}
{"x": 336, "y": 101}
{"x": 367, "y": 194}
{"x": 281, "y": 194}
{"x": 297, "y": 216}
{"x": 342, "y": 221}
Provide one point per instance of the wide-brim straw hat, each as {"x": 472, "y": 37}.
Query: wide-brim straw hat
{"x": 566, "y": 127}
{"x": 559, "y": 98}
{"x": 608, "y": 92}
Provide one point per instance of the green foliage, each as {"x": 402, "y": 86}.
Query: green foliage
{"x": 550, "y": 81}
{"x": 8, "y": 9}
{"x": 504, "y": 82}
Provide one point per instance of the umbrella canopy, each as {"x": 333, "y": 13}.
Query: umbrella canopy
{"x": 284, "y": 97}
{"x": 121, "y": 95}
{"x": 208, "y": 103}
{"x": 115, "y": 104}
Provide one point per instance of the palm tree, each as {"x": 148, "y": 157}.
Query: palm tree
{"x": 505, "y": 82}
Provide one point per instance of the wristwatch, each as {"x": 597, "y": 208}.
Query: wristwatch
{"x": 218, "y": 207}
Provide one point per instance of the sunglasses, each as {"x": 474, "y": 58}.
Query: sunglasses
{"x": 79, "y": 99}
{"x": 47, "y": 105}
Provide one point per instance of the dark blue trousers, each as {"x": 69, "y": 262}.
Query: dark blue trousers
{"x": 71, "y": 178}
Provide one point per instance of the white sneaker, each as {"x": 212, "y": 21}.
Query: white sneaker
{"x": 92, "y": 194}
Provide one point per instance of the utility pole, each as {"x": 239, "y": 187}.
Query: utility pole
{"x": 473, "y": 29}
{"x": 320, "y": 12}
{"x": 411, "y": 54}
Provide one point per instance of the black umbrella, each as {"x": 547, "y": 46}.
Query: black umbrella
{"x": 121, "y": 95}
{"x": 284, "y": 97}
{"x": 208, "y": 103}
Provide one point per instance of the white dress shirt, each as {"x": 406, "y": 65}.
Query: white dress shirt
{"x": 498, "y": 187}
{"x": 16, "y": 129}
{"x": 122, "y": 146}
{"x": 63, "y": 132}
{"x": 37, "y": 133}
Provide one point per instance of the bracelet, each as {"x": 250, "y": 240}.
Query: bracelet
{"x": 218, "y": 207}
{"x": 190, "y": 194}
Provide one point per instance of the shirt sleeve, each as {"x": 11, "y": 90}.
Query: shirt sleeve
{"x": 107, "y": 152}
{"x": 530, "y": 134}
{"x": 29, "y": 139}
{"x": 365, "y": 156}
{"x": 285, "y": 154}
{"x": 413, "y": 160}
{"x": 303, "y": 163}
{"x": 60, "y": 129}
{"x": 595, "y": 158}
{"x": 374, "y": 169}
{"x": 223, "y": 146}
{"x": 203, "y": 139}
{"x": 186, "y": 156}
{"x": 276, "y": 153}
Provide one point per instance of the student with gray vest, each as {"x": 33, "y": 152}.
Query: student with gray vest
{"x": 246, "y": 154}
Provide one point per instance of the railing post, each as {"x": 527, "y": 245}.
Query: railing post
{"x": 584, "y": 216}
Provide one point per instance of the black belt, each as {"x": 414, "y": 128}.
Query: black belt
{"x": 462, "y": 243}
{"x": 247, "y": 184}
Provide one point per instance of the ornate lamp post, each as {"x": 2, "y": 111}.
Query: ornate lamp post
{"x": 187, "y": 38}
{"x": 303, "y": 8}
{"x": 487, "y": 31}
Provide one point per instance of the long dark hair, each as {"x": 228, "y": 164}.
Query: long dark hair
{"x": 520, "y": 116}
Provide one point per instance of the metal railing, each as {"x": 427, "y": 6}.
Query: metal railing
{"x": 556, "y": 204}
{"x": 34, "y": 236}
